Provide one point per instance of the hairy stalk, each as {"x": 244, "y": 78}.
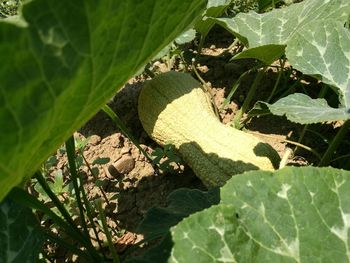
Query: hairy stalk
{"x": 326, "y": 158}
{"x": 70, "y": 147}
{"x": 106, "y": 231}
{"x": 124, "y": 130}
{"x": 89, "y": 214}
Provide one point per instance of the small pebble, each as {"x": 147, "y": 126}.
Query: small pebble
{"x": 125, "y": 164}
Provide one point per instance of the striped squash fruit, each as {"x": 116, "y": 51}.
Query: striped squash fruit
{"x": 174, "y": 108}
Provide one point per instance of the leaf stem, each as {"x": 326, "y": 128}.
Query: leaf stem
{"x": 301, "y": 137}
{"x": 293, "y": 143}
{"x": 235, "y": 87}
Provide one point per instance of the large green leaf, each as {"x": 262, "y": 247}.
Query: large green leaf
{"x": 20, "y": 238}
{"x": 302, "y": 109}
{"x": 69, "y": 59}
{"x": 292, "y": 215}
{"x": 316, "y": 39}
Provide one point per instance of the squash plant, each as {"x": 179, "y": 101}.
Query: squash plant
{"x": 290, "y": 215}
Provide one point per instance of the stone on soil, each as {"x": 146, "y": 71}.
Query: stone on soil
{"x": 125, "y": 164}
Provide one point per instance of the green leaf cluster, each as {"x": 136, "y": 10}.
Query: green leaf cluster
{"x": 316, "y": 43}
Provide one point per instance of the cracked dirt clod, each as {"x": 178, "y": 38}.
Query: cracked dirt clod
{"x": 125, "y": 164}
{"x": 94, "y": 140}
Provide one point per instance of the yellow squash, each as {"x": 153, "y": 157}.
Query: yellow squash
{"x": 173, "y": 108}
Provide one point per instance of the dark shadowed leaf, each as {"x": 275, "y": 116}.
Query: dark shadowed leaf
{"x": 20, "y": 238}
{"x": 181, "y": 203}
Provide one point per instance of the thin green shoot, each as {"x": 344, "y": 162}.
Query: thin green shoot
{"x": 301, "y": 137}
{"x": 289, "y": 90}
{"x": 70, "y": 147}
{"x": 106, "y": 231}
{"x": 89, "y": 213}
{"x": 200, "y": 45}
{"x": 41, "y": 180}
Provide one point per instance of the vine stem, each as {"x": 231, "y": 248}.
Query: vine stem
{"x": 326, "y": 158}
{"x": 207, "y": 89}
